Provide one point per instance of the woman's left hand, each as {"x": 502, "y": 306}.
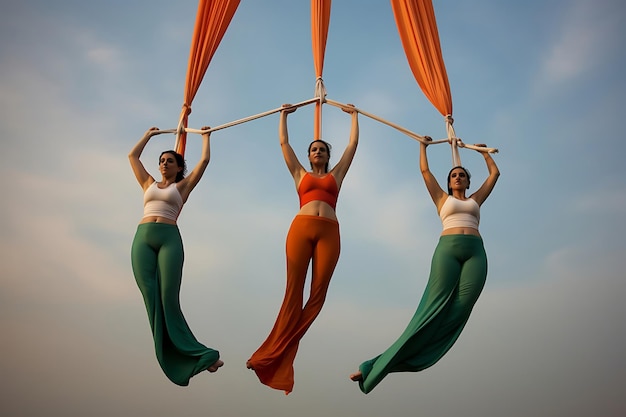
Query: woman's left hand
{"x": 481, "y": 145}
{"x": 349, "y": 108}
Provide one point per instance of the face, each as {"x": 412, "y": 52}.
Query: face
{"x": 459, "y": 179}
{"x": 318, "y": 153}
{"x": 168, "y": 165}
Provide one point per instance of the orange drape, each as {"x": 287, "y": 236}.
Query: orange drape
{"x": 320, "y": 20}
{"x": 418, "y": 31}
{"x": 212, "y": 20}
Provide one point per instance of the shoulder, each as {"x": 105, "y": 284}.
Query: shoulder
{"x": 441, "y": 202}
{"x": 330, "y": 177}
{"x": 300, "y": 176}
{"x": 475, "y": 198}
{"x": 150, "y": 182}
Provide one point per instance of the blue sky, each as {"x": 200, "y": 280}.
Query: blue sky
{"x": 542, "y": 81}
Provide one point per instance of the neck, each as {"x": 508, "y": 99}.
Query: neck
{"x": 318, "y": 170}
{"x": 168, "y": 181}
{"x": 459, "y": 195}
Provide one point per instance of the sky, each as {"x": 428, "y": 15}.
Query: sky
{"x": 542, "y": 81}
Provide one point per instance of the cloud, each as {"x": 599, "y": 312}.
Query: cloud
{"x": 597, "y": 201}
{"x": 76, "y": 100}
{"x": 105, "y": 57}
{"x": 586, "y": 33}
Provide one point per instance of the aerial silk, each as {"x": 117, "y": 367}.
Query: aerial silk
{"x": 417, "y": 27}
{"x": 212, "y": 20}
{"x": 459, "y": 264}
{"x": 320, "y": 21}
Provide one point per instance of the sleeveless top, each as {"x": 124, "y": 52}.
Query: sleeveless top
{"x": 460, "y": 213}
{"x": 163, "y": 202}
{"x": 324, "y": 189}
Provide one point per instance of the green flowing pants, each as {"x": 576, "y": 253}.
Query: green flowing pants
{"x": 157, "y": 259}
{"x": 457, "y": 277}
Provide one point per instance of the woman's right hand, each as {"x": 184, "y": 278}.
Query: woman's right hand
{"x": 151, "y": 132}
{"x": 288, "y": 108}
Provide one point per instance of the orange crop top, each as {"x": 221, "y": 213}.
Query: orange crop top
{"x": 323, "y": 189}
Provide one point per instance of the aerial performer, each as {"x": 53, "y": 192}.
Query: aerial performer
{"x": 157, "y": 260}
{"x": 457, "y": 276}
{"x": 313, "y": 237}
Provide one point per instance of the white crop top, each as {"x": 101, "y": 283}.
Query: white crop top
{"x": 460, "y": 213}
{"x": 163, "y": 202}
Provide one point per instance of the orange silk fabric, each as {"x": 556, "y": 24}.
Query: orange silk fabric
{"x": 212, "y": 20}
{"x": 320, "y": 20}
{"x": 418, "y": 31}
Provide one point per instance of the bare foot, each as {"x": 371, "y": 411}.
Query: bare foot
{"x": 357, "y": 376}
{"x": 249, "y": 365}
{"x": 217, "y": 365}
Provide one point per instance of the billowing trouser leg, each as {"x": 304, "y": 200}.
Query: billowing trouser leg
{"x": 310, "y": 239}
{"x": 458, "y": 274}
{"x": 157, "y": 259}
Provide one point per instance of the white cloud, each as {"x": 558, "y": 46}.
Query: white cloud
{"x": 105, "y": 57}
{"x": 596, "y": 202}
{"x": 587, "y": 32}
{"x": 70, "y": 305}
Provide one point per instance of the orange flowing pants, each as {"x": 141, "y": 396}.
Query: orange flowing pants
{"x": 311, "y": 239}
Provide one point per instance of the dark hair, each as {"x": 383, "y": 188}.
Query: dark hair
{"x": 328, "y": 148}
{"x": 180, "y": 160}
{"x": 466, "y": 173}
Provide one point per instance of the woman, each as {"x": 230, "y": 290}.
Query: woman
{"x": 457, "y": 276}
{"x": 157, "y": 260}
{"x": 313, "y": 237}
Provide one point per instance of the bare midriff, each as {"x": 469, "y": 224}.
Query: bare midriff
{"x": 318, "y": 208}
{"x": 460, "y": 231}
{"x": 157, "y": 219}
